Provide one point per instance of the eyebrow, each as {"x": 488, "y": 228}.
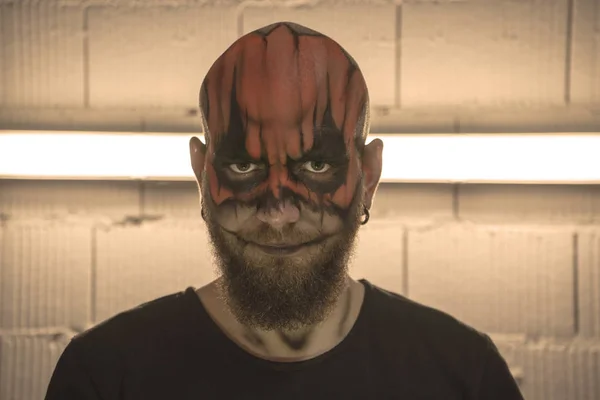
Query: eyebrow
{"x": 234, "y": 156}
{"x": 328, "y": 144}
{"x": 232, "y": 148}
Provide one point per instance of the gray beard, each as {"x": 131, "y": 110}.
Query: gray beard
{"x": 279, "y": 294}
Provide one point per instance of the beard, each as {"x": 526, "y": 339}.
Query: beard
{"x": 284, "y": 293}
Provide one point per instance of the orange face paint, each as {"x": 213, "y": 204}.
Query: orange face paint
{"x": 279, "y": 99}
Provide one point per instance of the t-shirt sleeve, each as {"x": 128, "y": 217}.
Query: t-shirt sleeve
{"x": 497, "y": 382}
{"x": 70, "y": 380}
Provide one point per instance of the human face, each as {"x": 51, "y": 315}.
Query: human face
{"x": 285, "y": 112}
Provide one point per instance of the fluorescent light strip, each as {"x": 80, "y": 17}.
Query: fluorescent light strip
{"x": 515, "y": 158}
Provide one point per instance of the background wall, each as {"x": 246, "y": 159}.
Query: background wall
{"x": 519, "y": 262}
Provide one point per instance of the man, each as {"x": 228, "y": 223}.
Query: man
{"x": 286, "y": 181}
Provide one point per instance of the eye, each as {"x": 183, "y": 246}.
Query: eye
{"x": 243, "y": 168}
{"x": 316, "y": 167}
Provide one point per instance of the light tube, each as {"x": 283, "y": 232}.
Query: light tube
{"x": 565, "y": 158}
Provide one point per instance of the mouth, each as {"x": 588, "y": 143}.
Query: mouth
{"x": 283, "y": 249}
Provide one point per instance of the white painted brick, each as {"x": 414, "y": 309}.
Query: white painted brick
{"x": 545, "y": 371}
{"x": 509, "y": 119}
{"x": 27, "y": 363}
{"x": 526, "y": 204}
{"x": 155, "y": 56}
{"x": 524, "y": 119}
{"x": 136, "y": 264}
{"x": 172, "y": 200}
{"x": 554, "y": 369}
{"x": 403, "y": 120}
{"x": 501, "y": 280}
{"x": 588, "y": 255}
{"x": 413, "y": 203}
{"x": 560, "y": 371}
{"x": 45, "y": 272}
{"x": 483, "y": 53}
{"x": 585, "y": 64}
{"x": 25, "y": 199}
{"x": 41, "y": 58}
{"x": 585, "y": 362}
{"x": 379, "y": 255}
{"x": 98, "y": 120}
{"x": 366, "y": 31}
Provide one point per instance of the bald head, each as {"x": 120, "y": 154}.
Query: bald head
{"x": 284, "y": 80}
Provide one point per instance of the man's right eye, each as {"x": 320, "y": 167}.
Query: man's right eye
{"x": 243, "y": 168}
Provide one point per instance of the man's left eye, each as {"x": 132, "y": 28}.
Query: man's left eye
{"x": 316, "y": 167}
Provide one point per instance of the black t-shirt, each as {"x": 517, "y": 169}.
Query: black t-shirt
{"x": 170, "y": 349}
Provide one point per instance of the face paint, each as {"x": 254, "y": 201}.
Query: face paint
{"x": 285, "y": 115}
{"x": 284, "y": 110}
{"x": 268, "y": 292}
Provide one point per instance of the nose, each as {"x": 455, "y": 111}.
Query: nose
{"x": 282, "y": 214}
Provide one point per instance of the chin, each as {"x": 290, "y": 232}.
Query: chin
{"x": 273, "y": 290}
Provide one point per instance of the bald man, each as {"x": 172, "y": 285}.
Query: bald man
{"x": 286, "y": 180}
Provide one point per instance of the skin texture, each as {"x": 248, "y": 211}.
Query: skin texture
{"x": 285, "y": 176}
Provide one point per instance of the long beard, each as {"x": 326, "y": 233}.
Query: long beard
{"x": 283, "y": 293}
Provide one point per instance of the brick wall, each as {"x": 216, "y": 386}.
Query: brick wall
{"x": 519, "y": 262}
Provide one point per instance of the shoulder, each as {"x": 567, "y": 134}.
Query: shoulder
{"x": 96, "y": 362}
{"x": 157, "y": 320}
{"x": 419, "y": 324}
{"x": 437, "y": 342}
{"x": 396, "y": 307}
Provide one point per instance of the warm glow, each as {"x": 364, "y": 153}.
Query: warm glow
{"x": 518, "y": 158}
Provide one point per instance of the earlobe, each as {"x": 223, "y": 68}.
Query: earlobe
{"x": 197, "y": 154}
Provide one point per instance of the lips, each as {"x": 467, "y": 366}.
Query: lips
{"x": 282, "y": 249}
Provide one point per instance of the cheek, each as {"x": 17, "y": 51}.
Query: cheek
{"x": 324, "y": 222}
{"x": 217, "y": 191}
{"x": 233, "y": 217}
{"x": 344, "y": 195}
{"x": 230, "y": 215}
{"x": 332, "y": 224}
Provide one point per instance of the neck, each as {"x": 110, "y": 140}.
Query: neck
{"x": 302, "y": 344}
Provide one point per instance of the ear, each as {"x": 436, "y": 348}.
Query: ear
{"x": 197, "y": 156}
{"x": 372, "y": 161}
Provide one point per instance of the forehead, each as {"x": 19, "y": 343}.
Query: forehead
{"x": 282, "y": 81}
